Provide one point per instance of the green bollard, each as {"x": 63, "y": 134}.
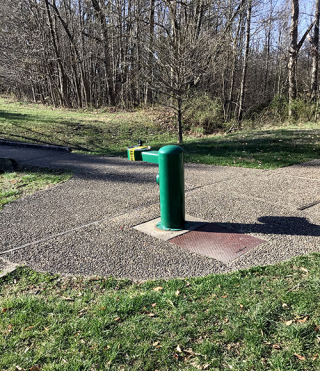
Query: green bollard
{"x": 171, "y": 183}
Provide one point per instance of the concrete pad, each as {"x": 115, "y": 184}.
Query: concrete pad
{"x": 113, "y": 248}
{"x": 151, "y": 229}
{"x": 271, "y": 187}
{"x": 198, "y": 175}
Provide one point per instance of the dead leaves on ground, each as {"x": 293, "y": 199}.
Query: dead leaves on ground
{"x": 28, "y": 328}
{"x": 187, "y": 355}
{"x": 33, "y": 368}
{"x": 274, "y": 346}
{"x": 301, "y": 358}
{"x": 299, "y": 319}
{"x": 5, "y": 309}
{"x": 147, "y": 313}
{"x": 159, "y": 288}
{"x": 67, "y": 298}
{"x": 9, "y": 329}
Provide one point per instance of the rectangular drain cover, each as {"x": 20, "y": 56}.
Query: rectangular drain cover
{"x": 217, "y": 242}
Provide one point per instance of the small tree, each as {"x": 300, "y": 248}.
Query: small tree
{"x": 183, "y": 49}
{"x": 179, "y": 58}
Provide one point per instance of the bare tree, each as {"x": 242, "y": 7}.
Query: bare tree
{"x": 245, "y": 63}
{"x": 315, "y": 53}
{"x": 180, "y": 54}
{"x": 295, "y": 46}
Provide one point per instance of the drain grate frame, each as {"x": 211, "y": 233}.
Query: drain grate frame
{"x": 217, "y": 242}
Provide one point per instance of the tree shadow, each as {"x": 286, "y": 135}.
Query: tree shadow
{"x": 22, "y": 117}
{"x": 273, "y": 148}
{"x": 73, "y": 128}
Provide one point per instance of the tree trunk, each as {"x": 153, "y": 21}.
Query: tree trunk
{"x": 179, "y": 120}
{"x": 77, "y": 56}
{"x": 148, "y": 97}
{"x": 315, "y": 54}
{"x": 63, "y": 80}
{"x": 245, "y": 63}
{"x": 293, "y": 54}
{"x": 234, "y": 66}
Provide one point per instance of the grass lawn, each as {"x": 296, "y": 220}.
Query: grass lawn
{"x": 105, "y": 132}
{"x": 21, "y": 183}
{"x": 259, "y": 319}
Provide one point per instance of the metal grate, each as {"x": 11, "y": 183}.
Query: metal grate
{"x": 217, "y": 242}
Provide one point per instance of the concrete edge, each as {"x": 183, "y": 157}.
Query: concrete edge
{"x": 33, "y": 145}
{"x": 8, "y": 267}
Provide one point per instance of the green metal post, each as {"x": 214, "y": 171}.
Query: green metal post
{"x": 171, "y": 182}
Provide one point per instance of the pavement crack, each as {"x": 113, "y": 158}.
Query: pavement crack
{"x": 52, "y": 237}
{"x": 97, "y": 222}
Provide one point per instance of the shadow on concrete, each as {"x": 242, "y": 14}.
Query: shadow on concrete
{"x": 295, "y": 226}
{"x": 124, "y": 177}
{"x": 84, "y": 167}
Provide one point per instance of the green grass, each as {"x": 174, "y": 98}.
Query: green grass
{"x": 20, "y": 183}
{"x": 265, "y": 149}
{"x": 265, "y": 318}
{"x": 105, "y": 132}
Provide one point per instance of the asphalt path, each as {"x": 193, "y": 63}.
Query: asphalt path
{"x": 85, "y": 225}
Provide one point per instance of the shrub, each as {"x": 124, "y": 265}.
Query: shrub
{"x": 277, "y": 111}
{"x": 304, "y": 111}
{"x": 203, "y": 112}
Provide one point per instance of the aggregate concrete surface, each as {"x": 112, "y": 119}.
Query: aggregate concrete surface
{"x": 84, "y": 226}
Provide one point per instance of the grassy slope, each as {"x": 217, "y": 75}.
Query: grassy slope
{"x": 96, "y": 131}
{"x": 259, "y": 319}
{"x": 111, "y": 133}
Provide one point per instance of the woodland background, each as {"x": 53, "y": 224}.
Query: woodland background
{"x": 216, "y": 62}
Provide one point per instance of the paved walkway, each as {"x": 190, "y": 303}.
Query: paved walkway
{"x": 84, "y": 226}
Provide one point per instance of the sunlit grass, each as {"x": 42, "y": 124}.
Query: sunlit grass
{"x": 265, "y": 318}
{"x": 20, "y": 183}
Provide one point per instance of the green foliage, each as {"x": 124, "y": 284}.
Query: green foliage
{"x": 267, "y": 114}
{"x": 304, "y": 110}
{"x": 254, "y": 112}
{"x": 202, "y": 111}
{"x": 276, "y": 112}
{"x": 279, "y": 108}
